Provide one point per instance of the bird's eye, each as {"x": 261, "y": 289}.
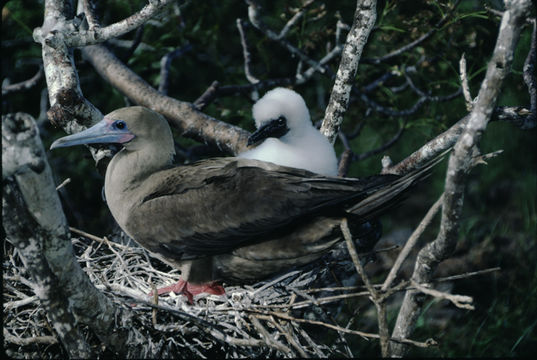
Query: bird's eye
{"x": 281, "y": 120}
{"x": 120, "y": 124}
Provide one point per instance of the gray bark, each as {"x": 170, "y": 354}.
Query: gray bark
{"x": 183, "y": 115}
{"x": 364, "y": 19}
{"x": 34, "y": 222}
{"x": 459, "y": 164}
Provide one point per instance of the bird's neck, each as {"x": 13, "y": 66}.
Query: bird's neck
{"x": 127, "y": 172}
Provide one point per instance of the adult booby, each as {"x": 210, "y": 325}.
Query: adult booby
{"x": 231, "y": 219}
{"x": 288, "y": 136}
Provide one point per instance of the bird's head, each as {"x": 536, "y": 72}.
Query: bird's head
{"x": 133, "y": 127}
{"x": 280, "y": 112}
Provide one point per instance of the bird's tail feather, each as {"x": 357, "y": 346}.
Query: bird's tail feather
{"x": 386, "y": 197}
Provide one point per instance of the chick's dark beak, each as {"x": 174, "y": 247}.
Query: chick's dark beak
{"x": 275, "y": 128}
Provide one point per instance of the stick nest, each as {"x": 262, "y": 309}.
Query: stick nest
{"x": 295, "y": 314}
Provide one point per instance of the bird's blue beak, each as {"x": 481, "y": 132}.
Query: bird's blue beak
{"x": 275, "y": 128}
{"x": 105, "y": 131}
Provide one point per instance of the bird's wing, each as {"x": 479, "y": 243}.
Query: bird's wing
{"x": 216, "y": 205}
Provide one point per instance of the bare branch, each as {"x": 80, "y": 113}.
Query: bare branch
{"x": 384, "y": 146}
{"x": 315, "y": 66}
{"x": 428, "y": 151}
{"x": 134, "y": 44}
{"x": 424, "y": 98}
{"x": 294, "y": 19}
{"x": 43, "y": 107}
{"x": 445, "y": 140}
{"x": 23, "y": 85}
{"x": 340, "y": 25}
{"x": 460, "y": 301}
{"x": 363, "y": 334}
{"x": 411, "y": 242}
{"x": 65, "y": 182}
{"x": 183, "y": 115}
{"x": 165, "y": 64}
{"x": 301, "y": 78}
{"x": 246, "y": 54}
{"x": 416, "y": 42}
{"x": 404, "y": 285}
{"x": 377, "y": 299}
{"x": 379, "y": 81}
{"x": 364, "y": 19}
{"x": 217, "y": 91}
{"x": 354, "y": 256}
{"x": 35, "y": 206}
{"x": 459, "y": 164}
{"x": 495, "y": 12}
{"x": 344, "y": 162}
{"x": 516, "y": 115}
{"x": 464, "y": 83}
{"x": 208, "y": 96}
{"x": 467, "y": 275}
{"x": 29, "y": 221}
{"x": 100, "y": 34}
{"x": 69, "y": 109}
{"x": 530, "y": 78}
{"x": 255, "y": 18}
{"x": 89, "y": 11}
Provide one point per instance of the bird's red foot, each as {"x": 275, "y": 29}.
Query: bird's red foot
{"x": 189, "y": 290}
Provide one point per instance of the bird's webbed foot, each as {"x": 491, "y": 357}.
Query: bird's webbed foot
{"x": 189, "y": 290}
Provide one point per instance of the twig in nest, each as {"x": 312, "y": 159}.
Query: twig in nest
{"x": 364, "y": 335}
{"x": 287, "y": 334}
{"x": 155, "y": 300}
{"x": 267, "y": 337}
{"x": 29, "y": 340}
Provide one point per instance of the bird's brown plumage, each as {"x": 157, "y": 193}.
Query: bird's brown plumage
{"x": 230, "y": 218}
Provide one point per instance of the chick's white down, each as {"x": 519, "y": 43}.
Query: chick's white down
{"x": 303, "y": 146}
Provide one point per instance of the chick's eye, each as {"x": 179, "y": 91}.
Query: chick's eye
{"x": 281, "y": 120}
{"x": 120, "y": 125}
